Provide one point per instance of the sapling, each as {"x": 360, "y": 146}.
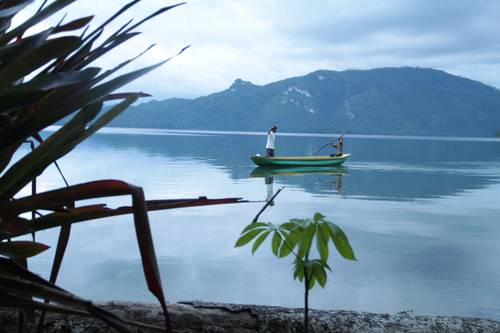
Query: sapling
{"x": 296, "y": 237}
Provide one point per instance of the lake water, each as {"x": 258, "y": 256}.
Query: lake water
{"x": 421, "y": 214}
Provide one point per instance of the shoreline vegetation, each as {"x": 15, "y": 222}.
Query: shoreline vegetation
{"x": 196, "y": 316}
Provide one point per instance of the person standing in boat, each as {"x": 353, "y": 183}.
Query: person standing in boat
{"x": 339, "y": 145}
{"x": 271, "y": 138}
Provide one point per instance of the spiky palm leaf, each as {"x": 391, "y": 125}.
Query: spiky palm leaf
{"x": 44, "y": 78}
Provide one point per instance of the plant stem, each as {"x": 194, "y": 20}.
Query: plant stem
{"x": 306, "y": 301}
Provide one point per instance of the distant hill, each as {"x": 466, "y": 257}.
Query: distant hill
{"x": 403, "y": 101}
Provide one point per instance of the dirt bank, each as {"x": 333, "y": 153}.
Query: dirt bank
{"x": 204, "y": 317}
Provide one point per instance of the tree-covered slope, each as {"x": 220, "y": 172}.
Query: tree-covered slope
{"x": 406, "y": 101}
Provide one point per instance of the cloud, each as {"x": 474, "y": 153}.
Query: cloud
{"x": 264, "y": 41}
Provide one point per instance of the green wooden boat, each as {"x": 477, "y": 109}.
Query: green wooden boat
{"x": 300, "y": 160}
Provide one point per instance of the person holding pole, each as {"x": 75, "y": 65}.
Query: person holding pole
{"x": 339, "y": 145}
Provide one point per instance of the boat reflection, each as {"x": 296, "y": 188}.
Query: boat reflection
{"x": 265, "y": 171}
{"x": 268, "y": 173}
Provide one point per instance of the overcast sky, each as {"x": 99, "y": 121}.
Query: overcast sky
{"x": 268, "y": 40}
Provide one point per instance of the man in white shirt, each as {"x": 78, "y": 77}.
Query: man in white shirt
{"x": 271, "y": 138}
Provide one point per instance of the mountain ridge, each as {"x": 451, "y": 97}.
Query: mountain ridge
{"x": 398, "y": 101}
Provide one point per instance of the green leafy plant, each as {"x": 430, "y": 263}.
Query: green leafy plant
{"x": 296, "y": 237}
{"x": 45, "y": 78}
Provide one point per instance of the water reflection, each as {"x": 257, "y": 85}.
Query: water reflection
{"x": 269, "y": 172}
{"x": 264, "y": 171}
{"x": 381, "y": 168}
{"x": 422, "y": 217}
{"x": 269, "y": 180}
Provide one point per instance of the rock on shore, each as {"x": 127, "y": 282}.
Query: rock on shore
{"x": 202, "y": 317}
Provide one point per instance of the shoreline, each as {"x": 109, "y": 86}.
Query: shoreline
{"x": 197, "y": 316}
{"x": 201, "y": 132}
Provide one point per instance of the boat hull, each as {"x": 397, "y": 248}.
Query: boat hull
{"x": 300, "y": 160}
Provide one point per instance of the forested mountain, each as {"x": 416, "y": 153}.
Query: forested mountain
{"x": 405, "y": 101}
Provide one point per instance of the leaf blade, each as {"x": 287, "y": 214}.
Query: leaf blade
{"x": 260, "y": 240}
{"x": 21, "y": 249}
{"x": 247, "y": 237}
{"x": 341, "y": 242}
{"x": 276, "y": 243}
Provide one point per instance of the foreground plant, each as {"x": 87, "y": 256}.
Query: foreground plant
{"x": 47, "y": 77}
{"x": 296, "y": 237}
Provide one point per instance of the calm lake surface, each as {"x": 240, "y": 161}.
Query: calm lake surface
{"x": 421, "y": 214}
